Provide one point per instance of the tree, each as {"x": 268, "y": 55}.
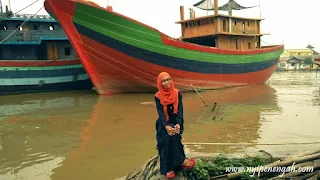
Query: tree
{"x": 307, "y": 61}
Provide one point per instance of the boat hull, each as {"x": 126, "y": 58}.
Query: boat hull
{"x": 122, "y": 55}
{"x": 29, "y": 76}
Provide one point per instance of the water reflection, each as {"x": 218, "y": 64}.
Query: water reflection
{"x": 316, "y": 97}
{"x": 118, "y": 138}
{"x": 78, "y": 135}
{"x": 240, "y": 111}
{"x": 299, "y": 120}
{"x": 120, "y": 133}
{"x": 34, "y": 136}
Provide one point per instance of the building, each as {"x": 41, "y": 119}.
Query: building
{"x": 297, "y": 52}
{"x": 293, "y": 59}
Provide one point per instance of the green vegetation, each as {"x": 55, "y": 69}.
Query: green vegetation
{"x": 210, "y": 168}
{"x": 307, "y": 61}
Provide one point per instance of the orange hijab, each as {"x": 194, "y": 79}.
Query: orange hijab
{"x": 167, "y": 96}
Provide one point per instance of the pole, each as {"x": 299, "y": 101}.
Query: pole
{"x": 199, "y": 95}
{"x": 260, "y": 9}
{"x": 229, "y": 8}
{"x": 1, "y": 7}
{"x": 215, "y": 7}
{"x": 207, "y": 6}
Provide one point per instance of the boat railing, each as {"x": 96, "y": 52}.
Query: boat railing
{"x": 269, "y": 46}
{"x": 26, "y": 16}
{"x": 31, "y": 35}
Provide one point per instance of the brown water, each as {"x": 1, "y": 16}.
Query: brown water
{"x": 79, "y": 135}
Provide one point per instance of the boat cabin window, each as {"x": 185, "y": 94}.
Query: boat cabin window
{"x": 235, "y": 22}
{"x": 20, "y": 28}
{"x": 249, "y": 45}
{"x": 243, "y": 27}
{"x": 3, "y": 27}
{"x": 51, "y": 27}
{"x": 35, "y": 26}
{"x": 198, "y": 23}
{"x": 224, "y": 25}
{"x": 67, "y": 51}
{"x": 211, "y": 21}
{"x": 237, "y": 44}
{"x": 205, "y": 41}
{"x": 258, "y": 43}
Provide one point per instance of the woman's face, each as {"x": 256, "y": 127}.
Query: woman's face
{"x": 166, "y": 82}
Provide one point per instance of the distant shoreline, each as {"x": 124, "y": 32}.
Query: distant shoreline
{"x": 297, "y": 70}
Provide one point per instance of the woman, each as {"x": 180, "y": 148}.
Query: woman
{"x": 169, "y": 127}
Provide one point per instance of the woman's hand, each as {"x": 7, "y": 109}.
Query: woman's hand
{"x": 171, "y": 131}
{"x": 177, "y": 129}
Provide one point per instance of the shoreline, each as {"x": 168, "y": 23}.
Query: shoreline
{"x": 211, "y": 156}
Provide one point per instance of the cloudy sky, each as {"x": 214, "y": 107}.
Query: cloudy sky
{"x": 291, "y": 22}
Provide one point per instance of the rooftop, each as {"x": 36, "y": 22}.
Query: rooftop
{"x": 310, "y": 47}
{"x": 219, "y": 15}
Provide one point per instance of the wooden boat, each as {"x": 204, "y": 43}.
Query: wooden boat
{"x": 123, "y": 55}
{"x": 37, "y": 56}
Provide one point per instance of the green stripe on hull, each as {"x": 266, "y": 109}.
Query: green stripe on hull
{"x": 120, "y": 25}
{"x": 140, "y": 36}
{"x": 40, "y": 68}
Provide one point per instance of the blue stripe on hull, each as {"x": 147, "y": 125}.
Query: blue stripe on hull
{"x": 40, "y": 73}
{"x": 76, "y": 85}
{"x": 173, "y": 62}
{"x": 34, "y": 42}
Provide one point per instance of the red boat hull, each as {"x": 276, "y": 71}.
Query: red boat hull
{"x": 114, "y": 71}
{"x": 120, "y": 73}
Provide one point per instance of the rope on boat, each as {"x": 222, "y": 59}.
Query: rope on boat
{"x": 183, "y": 86}
{"x": 147, "y": 76}
{"x": 266, "y": 42}
{"x": 24, "y": 22}
{"x": 19, "y": 10}
{"x": 245, "y": 144}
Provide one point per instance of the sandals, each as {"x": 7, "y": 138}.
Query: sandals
{"x": 170, "y": 175}
{"x": 193, "y": 162}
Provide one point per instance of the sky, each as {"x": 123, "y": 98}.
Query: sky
{"x": 293, "y": 23}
